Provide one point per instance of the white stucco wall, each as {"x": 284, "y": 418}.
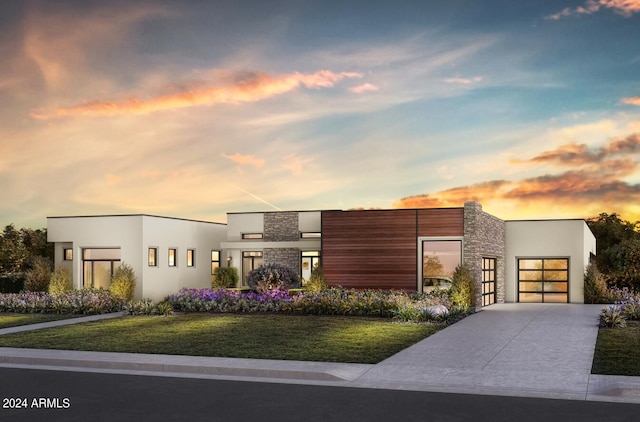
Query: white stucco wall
{"x": 165, "y": 233}
{"x": 253, "y": 222}
{"x": 238, "y": 223}
{"x": 134, "y": 235}
{"x": 548, "y": 239}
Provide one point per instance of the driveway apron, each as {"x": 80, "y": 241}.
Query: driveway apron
{"x": 533, "y": 350}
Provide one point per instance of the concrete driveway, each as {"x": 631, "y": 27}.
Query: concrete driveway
{"x": 532, "y": 350}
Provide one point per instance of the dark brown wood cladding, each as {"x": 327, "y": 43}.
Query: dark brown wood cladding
{"x": 370, "y": 249}
{"x": 377, "y": 249}
{"x": 441, "y": 222}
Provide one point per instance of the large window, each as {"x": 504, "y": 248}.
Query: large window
{"x": 543, "y": 280}
{"x": 439, "y": 260}
{"x": 488, "y": 281}
{"x": 309, "y": 261}
{"x": 98, "y": 266}
{"x": 250, "y": 261}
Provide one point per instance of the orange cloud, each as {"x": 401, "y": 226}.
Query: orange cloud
{"x": 579, "y": 154}
{"x": 594, "y": 182}
{"x": 631, "y": 101}
{"x": 625, "y": 8}
{"x": 245, "y": 159}
{"x": 249, "y": 87}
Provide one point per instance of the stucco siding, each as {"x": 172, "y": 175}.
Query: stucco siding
{"x": 570, "y": 239}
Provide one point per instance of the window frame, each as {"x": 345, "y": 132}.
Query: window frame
{"x": 310, "y": 235}
{"x": 542, "y": 280}
{"x": 252, "y": 236}
{"x": 216, "y": 261}
{"x": 191, "y": 258}
{"x": 155, "y": 262}
{"x": 489, "y": 280}
{"x": 67, "y": 254}
{"x": 172, "y": 263}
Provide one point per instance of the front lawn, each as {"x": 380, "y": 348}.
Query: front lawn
{"x": 13, "y": 320}
{"x": 257, "y": 336}
{"x": 617, "y": 351}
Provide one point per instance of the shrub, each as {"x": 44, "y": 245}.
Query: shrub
{"x": 38, "y": 276}
{"x": 85, "y": 301}
{"x": 225, "y": 278}
{"x": 164, "y": 308}
{"x": 463, "y": 288}
{"x": 595, "y": 286}
{"x": 60, "y": 281}
{"x": 11, "y": 282}
{"x": 140, "y": 307}
{"x": 272, "y": 276}
{"x": 317, "y": 281}
{"x": 123, "y": 283}
{"x": 612, "y": 317}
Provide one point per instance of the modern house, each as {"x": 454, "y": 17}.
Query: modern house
{"x": 408, "y": 249}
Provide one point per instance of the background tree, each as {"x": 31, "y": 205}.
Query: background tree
{"x": 18, "y": 252}
{"x": 617, "y": 250}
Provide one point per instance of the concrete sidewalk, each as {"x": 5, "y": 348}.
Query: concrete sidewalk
{"x": 527, "y": 350}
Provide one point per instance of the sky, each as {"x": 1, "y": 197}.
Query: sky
{"x": 193, "y": 109}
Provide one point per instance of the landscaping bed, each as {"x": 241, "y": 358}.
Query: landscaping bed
{"x": 257, "y": 336}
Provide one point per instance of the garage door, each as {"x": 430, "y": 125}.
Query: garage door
{"x": 543, "y": 280}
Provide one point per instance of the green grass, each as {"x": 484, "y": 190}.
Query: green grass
{"x": 618, "y": 351}
{"x": 13, "y": 320}
{"x": 287, "y": 337}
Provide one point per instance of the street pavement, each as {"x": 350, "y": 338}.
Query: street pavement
{"x": 517, "y": 350}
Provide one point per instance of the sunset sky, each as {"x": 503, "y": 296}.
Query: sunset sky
{"x": 198, "y": 108}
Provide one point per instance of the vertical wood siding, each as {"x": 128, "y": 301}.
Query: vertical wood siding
{"x": 378, "y": 249}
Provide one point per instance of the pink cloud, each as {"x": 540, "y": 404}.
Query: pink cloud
{"x": 248, "y": 87}
{"x": 363, "y": 88}
{"x": 625, "y": 8}
{"x": 463, "y": 81}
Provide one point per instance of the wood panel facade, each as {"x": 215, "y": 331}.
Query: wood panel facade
{"x": 378, "y": 249}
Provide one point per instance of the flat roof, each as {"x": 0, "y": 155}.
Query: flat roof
{"x": 138, "y": 215}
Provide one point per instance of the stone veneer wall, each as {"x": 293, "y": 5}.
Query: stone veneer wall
{"x": 484, "y": 237}
{"x": 284, "y": 256}
{"x": 281, "y": 226}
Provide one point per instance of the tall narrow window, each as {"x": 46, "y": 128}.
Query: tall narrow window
{"x": 309, "y": 261}
{"x": 173, "y": 253}
{"x": 153, "y": 257}
{"x": 68, "y": 254}
{"x": 250, "y": 261}
{"x": 215, "y": 261}
{"x": 488, "y": 281}
{"x": 191, "y": 258}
